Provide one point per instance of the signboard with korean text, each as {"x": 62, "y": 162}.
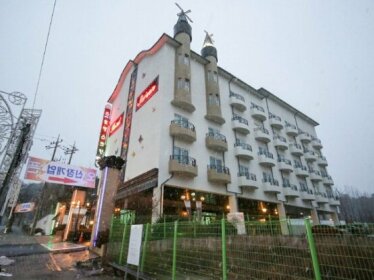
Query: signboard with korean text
{"x": 104, "y": 132}
{"x": 24, "y": 207}
{"x": 147, "y": 94}
{"x": 60, "y": 173}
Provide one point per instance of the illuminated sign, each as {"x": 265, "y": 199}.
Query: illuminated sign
{"x": 128, "y": 119}
{"x": 147, "y": 94}
{"x": 24, "y": 207}
{"x": 103, "y": 132}
{"x": 116, "y": 124}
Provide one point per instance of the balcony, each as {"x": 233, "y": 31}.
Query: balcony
{"x": 275, "y": 121}
{"x": 183, "y": 166}
{"x": 301, "y": 171}
{"x": 258, "y": 112}
{"x": 321, "y": 198}
{"x": 307, "y": 195}
{"x": 219, "y": 174}
{"x": 327, "y": 180}
{"x": 334, "y": 201}
{"x": 237, "y": 101}
{"x": 316, "y": 143}
{"x": 291, "y": 129}
{"x": 240, "y": 124}
{"x": 270, "y": 185}
{"x": 315, "y": 175}
{"x": 243, "y": 151}
{"x": 280, "y": 142}
{"x": 284, "y": 164}
{"x": 182, "y": 130}
{"x": 290, "y": 190}
{"x": 262, "y": 134}
{"x": 216, "y": 141}
{"x": 321, "y": 161}
{"x": 266, "y": 159}
{"x": 296, "y": 149}
{"x": 247, "y": 180}
{"x": 310, "y": 155}
{"x": 304, "y": 137}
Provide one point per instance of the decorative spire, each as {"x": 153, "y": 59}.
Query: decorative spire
{"x": 208, "y": 41}
{"x": 182, "y": 25}
{"x": 208, "y": 47}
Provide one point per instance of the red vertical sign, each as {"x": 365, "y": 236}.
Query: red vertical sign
{"x": 104, "y": 132}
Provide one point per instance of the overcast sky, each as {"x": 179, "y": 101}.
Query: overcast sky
{"x": 316, "y": 55}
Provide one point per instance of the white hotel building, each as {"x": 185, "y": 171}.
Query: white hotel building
{"x": 198, "y": 139}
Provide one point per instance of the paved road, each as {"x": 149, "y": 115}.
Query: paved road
{"x": 22, "y": 250}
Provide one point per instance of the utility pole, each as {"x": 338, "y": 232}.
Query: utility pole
{"x": 53, "y": 145}
{"x": 70, "y": 151}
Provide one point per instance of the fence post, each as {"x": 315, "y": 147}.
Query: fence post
{"x": 122, "y": 244}
{"x": 223, "y": 241}
{"x": 174, "y": 269}
{"x": 313, "y": 250}
{"x": 144, "y": 249}
{"x": 164, "y": 227}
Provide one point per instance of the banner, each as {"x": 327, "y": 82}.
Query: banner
{"x": 60, "y": 173}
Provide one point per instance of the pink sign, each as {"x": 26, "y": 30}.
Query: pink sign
{"x": 60, "y": 173}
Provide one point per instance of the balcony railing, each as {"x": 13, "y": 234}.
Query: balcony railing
{"x": 186, "y": 160}
{"x": 272, "y": 116}
{"x": 219, "y": 168}
{"x": 240, "y": 119}
{"x": 243, "y": 145}
{"x": 280, "y": 138}
{"x": 217, "y": 136}
{"x": 266, "y": 154}
{"x": 283, "y": 159}
{"x": 184, "y": 124}
{"x": 270, "y": 180}
{"x": 290, "y": 125}
{"x": 237, "y": 96}
{"x": 249, "y": 176}
{"x": 257, "y": 107}
{"x": 262, "y": 129}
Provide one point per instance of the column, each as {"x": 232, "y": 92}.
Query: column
{"x": 282, "y": 218}
{"x": 314, "y": 215}
{"x": 233, "y": 204}
{"x": 108, "y": 185}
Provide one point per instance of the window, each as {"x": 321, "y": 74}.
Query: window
{"x": 182, "y": 121}
{"x": 243, "y": 169}
{"x": 213, "y": 99}
{"x": 183, "y": 84}
{"x": 212, "y": 76}
{"x": 180, "y": 154}
{"x": 184, "y": 59}
{"x": 216, "y": 164}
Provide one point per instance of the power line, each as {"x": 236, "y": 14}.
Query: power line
{"x": 45, "y": 50}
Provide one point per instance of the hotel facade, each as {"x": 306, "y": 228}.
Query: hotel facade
{"x": 198, "y": 141}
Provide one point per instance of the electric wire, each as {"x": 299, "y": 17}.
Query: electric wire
{"x": 43, "y": 58}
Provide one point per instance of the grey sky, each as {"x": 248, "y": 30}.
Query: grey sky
{"x": 316, "y": 55}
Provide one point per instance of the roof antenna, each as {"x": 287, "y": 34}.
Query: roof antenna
{"x": 183, "y": 14}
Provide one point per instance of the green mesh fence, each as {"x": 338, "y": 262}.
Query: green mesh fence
{"x": 249, "y": 250}
{"x": 345, "y": 252}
